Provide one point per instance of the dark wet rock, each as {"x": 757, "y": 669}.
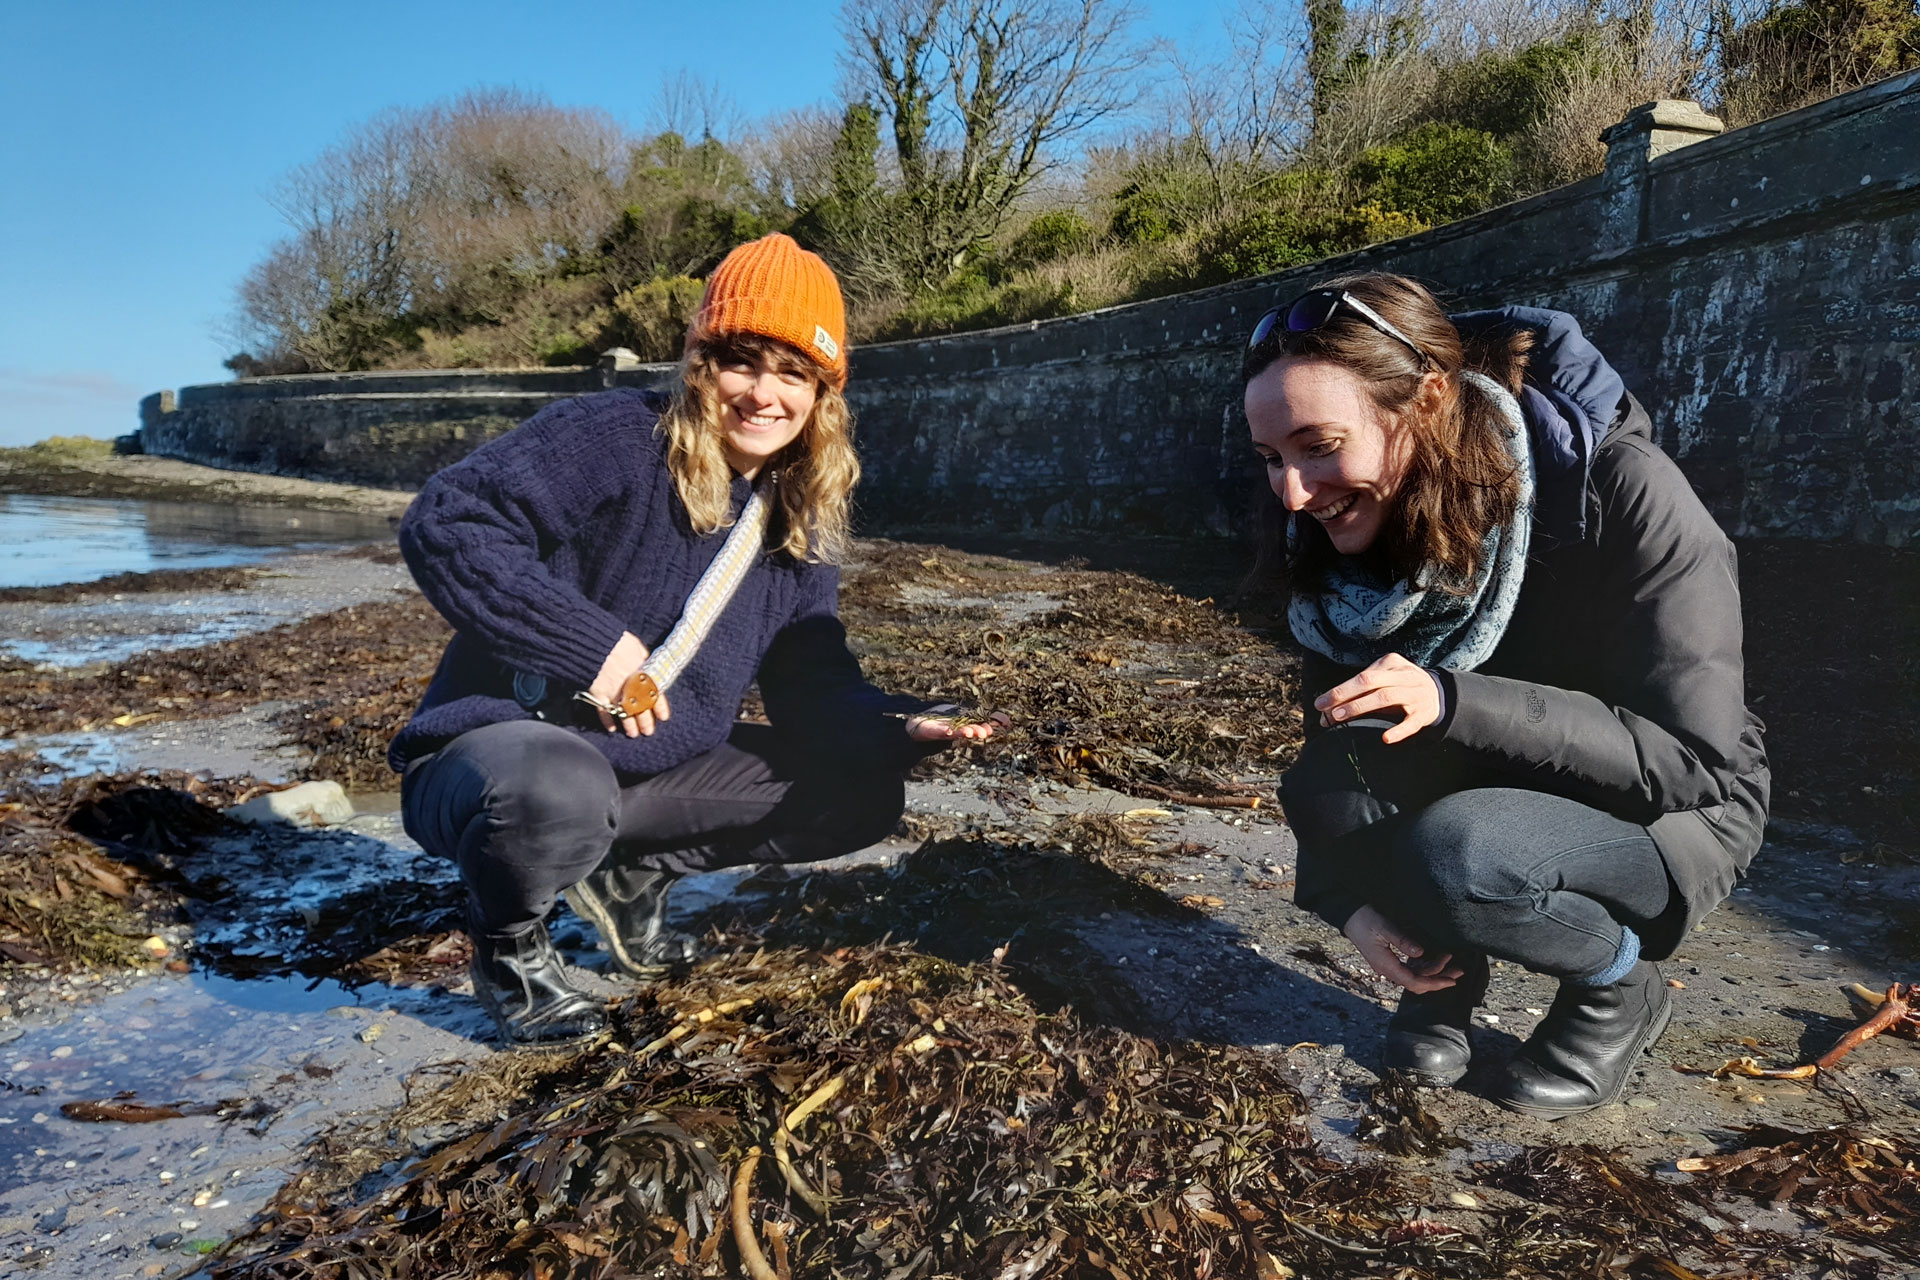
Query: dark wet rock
{"x": 166, "y": 1240}
{"x": 52, "y": 1220}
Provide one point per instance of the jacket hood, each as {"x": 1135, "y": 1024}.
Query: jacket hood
{"x": 1570, "y": 398}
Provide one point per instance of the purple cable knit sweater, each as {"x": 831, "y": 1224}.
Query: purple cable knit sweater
{"x": 542, "y": 546}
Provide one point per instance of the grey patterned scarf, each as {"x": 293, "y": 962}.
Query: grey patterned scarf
{"x": 1355, "y": 618}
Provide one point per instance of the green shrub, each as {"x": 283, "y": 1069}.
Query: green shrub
{"x": 1263, "y": 242}
{"x": 75, "y": 447}
{"x": 1505, "y": 94}
{"x": 1140, "y": 223}
{"x": 652, "y": 318}
{"x": 1274, "y": 239}
{"x": 1803, "y": 52}
{"x": 1434, "y": 174}
{"x": 1048, "y": 238}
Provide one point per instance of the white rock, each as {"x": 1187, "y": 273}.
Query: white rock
{"x": 311, "y": 804}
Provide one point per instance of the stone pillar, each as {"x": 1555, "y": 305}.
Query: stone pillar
{"x": 1649, "y": 131}
{"x": 615, "y": 361}
{"x": 153, "y": 409}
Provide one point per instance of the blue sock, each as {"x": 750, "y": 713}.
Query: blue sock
{"x": 1623, "y": 961}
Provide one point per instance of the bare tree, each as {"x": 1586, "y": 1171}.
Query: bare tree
{"x": 446, "y": 209}
{"x": 1236, "y": 121}
{"x": 326, "y": 295}
{"x": 790, "y": 156}
{"x": 513, "y": 186}
{"x": 976, "y": 96}
{"x": 695, "y": 108}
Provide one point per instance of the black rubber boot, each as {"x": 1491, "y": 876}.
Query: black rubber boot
{"x": 1427, "y": 1037}
{"x": 1582, "y": 1053}
{"x": 522, "y": 981}
{"x": 629, "y": 908}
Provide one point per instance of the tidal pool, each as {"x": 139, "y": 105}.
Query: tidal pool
{"x": 45, "y": 540}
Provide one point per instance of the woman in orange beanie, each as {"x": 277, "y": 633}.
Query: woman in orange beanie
{"x": 617, "y": 571}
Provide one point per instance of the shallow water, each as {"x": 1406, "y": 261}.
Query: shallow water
{"x": 110, "y": 626}
{"x": 44, "y": 541}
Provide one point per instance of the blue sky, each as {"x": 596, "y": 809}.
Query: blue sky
{"x": 140, "y": 139}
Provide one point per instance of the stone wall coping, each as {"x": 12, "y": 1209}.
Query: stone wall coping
{"x": 1664, "y": 113}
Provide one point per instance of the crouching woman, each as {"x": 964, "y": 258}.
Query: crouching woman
{"x": 1526, "y": 729}
{"x": 618, "y": 570}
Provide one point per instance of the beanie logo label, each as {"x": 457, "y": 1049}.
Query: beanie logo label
{"x": 824, "y": 340}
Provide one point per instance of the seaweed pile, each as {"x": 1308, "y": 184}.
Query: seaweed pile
{"x": 218, "y": 578}
{"x": 878, "y": 1112}
{"x": 353, "y": 676}
{"x": 1110, "y": 678}
{"x": 65, "y": 903}
{"x": 1858, "y": 1185}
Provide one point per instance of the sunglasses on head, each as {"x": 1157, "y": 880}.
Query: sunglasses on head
{"x": 1311, "y": 310}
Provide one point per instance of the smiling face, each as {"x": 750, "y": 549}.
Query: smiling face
{"x": 1330, "y": 451}
{"x": 765, "y": 400}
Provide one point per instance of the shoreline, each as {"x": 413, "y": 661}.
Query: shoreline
{"x": 56, "y": 469}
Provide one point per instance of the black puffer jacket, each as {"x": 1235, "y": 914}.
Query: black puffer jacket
{"x": 1619, "y": 680}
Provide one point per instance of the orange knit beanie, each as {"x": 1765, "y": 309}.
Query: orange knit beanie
{"x": 774, "y": 288}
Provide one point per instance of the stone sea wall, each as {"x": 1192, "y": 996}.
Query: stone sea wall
{"x": 1760, "y": 291}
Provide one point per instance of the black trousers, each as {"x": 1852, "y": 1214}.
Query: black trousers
{"x": 527, "y": 808}
{"x": 1462, "y": 860}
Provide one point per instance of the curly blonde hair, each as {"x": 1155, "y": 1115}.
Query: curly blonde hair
{"x": 816, "y": 474}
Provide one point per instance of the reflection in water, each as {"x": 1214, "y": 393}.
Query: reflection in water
{"x": 50, "y": 540}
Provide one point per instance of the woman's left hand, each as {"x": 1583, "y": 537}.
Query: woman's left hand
{"x": 1392, "y": 684}
{"x": 938, "y": 728}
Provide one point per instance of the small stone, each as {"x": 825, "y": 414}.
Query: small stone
{"x": 373, "y": 1033}
{"x": 64, "y": 1051}
{"x": 167, "y": 1175}
{"x": 1462, "y": 1199}
{"x": 1903, "y": 1073}
{"x": 311, "y": 804}
{"x": 1644, "y": 1104}
{"x": 201, "y": 1199}
{"x": 189, "y": 1224}
{"x": 166, "y": 1240}
{"x": 156, "y": 946}
{"x": 52, "y": 1220}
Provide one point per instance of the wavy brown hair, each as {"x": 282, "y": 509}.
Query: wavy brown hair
{"x": 1460, "y": 481}
{"x": 815, "y": 475}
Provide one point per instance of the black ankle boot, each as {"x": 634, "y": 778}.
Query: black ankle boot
{"x": 1582, "y": 1053}
{"x": 522, "y": 981}
{"x": 1427, "y": 1035}
{"x": 629, "y": 908}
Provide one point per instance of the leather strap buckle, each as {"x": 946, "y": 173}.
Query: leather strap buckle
{"x": 639, "y": 694}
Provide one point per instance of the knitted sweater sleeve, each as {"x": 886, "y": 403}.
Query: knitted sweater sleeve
{"x": 480, "y": 536}
{"x": 814, "y": 690}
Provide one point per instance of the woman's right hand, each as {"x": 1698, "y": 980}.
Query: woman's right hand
{"x": 1389, "y": 951}
{"x": 625, "y": 659}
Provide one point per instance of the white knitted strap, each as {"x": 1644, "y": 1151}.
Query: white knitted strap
{"x": 711, "y": 594}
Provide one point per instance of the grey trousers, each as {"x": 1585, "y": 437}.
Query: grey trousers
{"x": 526, "y": 808}
{"x": 1463, "y": 860}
